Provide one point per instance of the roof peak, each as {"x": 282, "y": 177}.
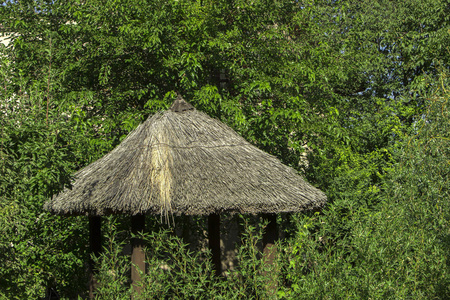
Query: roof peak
{"x": 180, "y": 105}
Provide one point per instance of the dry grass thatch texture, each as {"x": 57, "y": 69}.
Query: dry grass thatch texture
{"x": 186, "y": 163}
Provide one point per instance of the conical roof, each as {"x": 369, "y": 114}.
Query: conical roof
{"x": 181, "y": 161}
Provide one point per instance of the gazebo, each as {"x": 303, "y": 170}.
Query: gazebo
{"x": 183, "y": 162}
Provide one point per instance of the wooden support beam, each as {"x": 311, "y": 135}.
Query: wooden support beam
{"x": 137, "y": 251}
{"x": 214, "y": 241}
{"x": 95, "y": 248}
{"x": 269, "y": 253}
{"x": 269, "y": 238}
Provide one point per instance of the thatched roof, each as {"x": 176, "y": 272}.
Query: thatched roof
{"x": 181, "y": 161}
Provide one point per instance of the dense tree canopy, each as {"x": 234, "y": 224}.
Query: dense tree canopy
{"x": 350, "y": 93}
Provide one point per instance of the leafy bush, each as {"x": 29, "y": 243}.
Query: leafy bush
{"x": 173, "y": 271}
{"x": 397, "y": 249}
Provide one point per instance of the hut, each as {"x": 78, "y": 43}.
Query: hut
{"x": 183, "y": 162}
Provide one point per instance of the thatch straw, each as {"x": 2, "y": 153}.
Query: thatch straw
{"x": 185, "y": 162}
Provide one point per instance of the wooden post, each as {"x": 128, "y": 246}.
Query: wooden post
{"x": 214, "y": 241}
{"x": 269, "y": 238}
{"x": 270, "y": 251}
{"x": 95, "y": 248}
{"x": 137, "y": 251}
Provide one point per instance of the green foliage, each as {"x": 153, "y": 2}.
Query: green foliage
{"x": 253, "y": 278}
{"x": 398, "y": 249}
{"x": 112, "y": 266}
{"x": 170, "y": 261}
{"x": 350, "y": 93}
{"x": 173, "y": 270}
